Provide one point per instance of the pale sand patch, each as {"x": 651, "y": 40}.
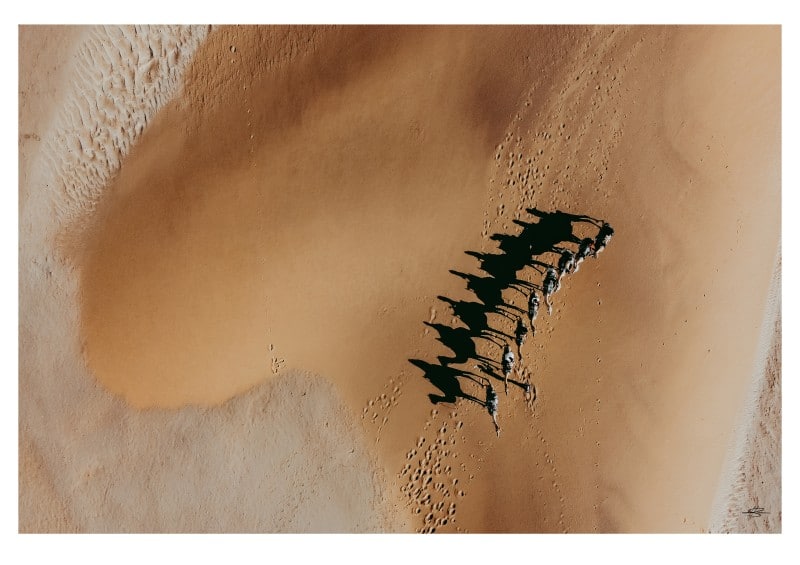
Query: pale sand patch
{"x": 44, "y": 54}
{"x": 41, "y": 507}
{"x": 752, "y": 478}
{"x": 43, "y": 61}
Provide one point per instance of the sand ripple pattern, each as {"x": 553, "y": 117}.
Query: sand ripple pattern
{"x": 122, "y": 76}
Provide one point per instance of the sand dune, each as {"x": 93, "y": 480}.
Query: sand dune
{"x": 231, "y": 241}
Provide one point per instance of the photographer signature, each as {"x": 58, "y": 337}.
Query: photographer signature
{"x": 755, "y": 511}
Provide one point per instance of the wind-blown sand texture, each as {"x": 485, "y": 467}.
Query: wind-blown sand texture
{"x": 254, "y": 263}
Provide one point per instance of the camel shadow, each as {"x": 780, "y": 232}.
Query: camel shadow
{"x": 515, "y": 253}
{"x": 446, "y": 379}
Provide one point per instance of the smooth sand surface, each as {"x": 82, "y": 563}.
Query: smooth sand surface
{"x": 275, "y": 219}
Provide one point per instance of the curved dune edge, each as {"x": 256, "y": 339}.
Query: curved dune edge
{"x": 283, "y": 457}
{"x": 641, "y": 370}
{"x": 751, "y": 477}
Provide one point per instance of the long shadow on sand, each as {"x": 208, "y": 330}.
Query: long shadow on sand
{"x": 550, "y": 232}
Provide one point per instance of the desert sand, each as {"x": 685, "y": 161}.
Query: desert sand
{"x": 246, "y": 251}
